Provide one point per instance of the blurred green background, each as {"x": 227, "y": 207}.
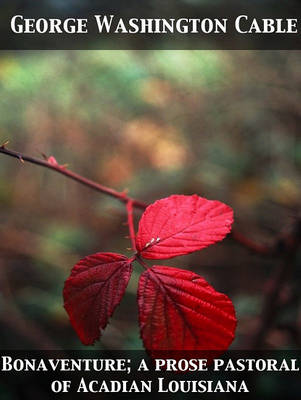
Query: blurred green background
{"x": 222, "y": 124}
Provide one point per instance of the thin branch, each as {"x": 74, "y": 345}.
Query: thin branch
{"x": 271, "y": 305}
{"x": 255, "y": 247}
{"x": 129, "y": 208}
{"x": 76, "y": 177}
{"x": 280, "y": 276}
{"x": 51, "y": 163}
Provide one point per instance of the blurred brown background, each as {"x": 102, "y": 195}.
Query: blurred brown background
{"x": 224, "y": 125}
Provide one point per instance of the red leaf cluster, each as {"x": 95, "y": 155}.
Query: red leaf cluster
{"x": 178, "y": 309}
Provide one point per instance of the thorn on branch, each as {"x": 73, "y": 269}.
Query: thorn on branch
{"x": 52, "y": 160}
{"x": 4, "y": 144}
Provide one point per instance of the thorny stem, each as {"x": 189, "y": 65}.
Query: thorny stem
{"x": 129, "y": 208}
{"x": 121, "y": 196}
{"x": 76, "y": 177}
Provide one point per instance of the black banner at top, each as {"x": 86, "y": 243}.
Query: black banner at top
{"x": 151, "y": 24}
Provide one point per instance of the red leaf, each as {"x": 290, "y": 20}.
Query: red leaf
{"x": 181, "y": 224}
{"x": 179, "y": 310}
{"x": 93, "y": 290}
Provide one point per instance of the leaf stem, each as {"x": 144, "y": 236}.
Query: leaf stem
{"x": 129, "y": 209}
